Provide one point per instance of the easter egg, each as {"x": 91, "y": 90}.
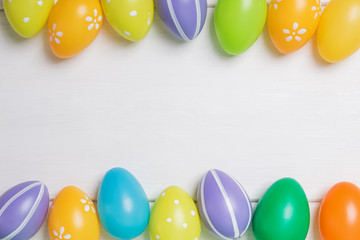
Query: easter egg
{"x": 27, "y": 17}
{"x": 283, "y": 212}
{"x": 23, "y": 209}
{"x": 132, "y": 19}
{"x": 183, "y": 18}
{"x": 224, "y": 205}
{"x": 338, "y": 35}
{"x": 174, "y": 216}
{"x": 339, "y": 217}
{"x": 123, "y": 205}
{"x": 238, "y": 23}
{"x": 73, "y": 216}
{"x": 292, "y": 23}
{"x": 73, "y": 25}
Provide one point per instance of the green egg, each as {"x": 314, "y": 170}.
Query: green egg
{"x": 238, "y": 23}
{"x": 283, "y": 212}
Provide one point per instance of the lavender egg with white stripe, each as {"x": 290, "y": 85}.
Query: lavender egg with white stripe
{"x": 224, "y": 205}
{"x": 183, "y": 18}
{"x": 23, "y": 209}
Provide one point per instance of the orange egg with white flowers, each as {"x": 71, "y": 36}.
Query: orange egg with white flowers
{"x": 73, "y": 216}
{"x": 73, "y": 25}
{"x": 292, "y": 23}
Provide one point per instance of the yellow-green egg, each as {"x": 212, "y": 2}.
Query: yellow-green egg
{"x": 174, "y": 216}
{"x": 132, "y": 19}
{"x": 27, "y": 17}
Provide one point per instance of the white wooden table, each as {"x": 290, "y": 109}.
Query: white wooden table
{"x": 168, "y": 111}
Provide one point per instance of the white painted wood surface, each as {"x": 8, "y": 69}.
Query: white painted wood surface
{"x": 168, "y": 111}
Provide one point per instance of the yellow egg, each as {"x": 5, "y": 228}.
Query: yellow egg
{"x": 174, "y": 216}
{"x": 132, "y": 19}
{"x": 73, "y": 216}
{"x": 338, "y": 35}
{"x": 27, "y": 17}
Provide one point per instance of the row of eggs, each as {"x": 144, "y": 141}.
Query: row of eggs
{"x": 223, "y": 205}
{"x": 74, "y": 24}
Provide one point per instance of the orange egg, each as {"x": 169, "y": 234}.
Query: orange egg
{"x": 339, "y": 217}
{"x": 73, "y": 25}
{"x": 73, "y": 216}
{"x": 292, "y": 23}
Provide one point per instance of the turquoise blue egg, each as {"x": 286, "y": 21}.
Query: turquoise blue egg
{"x": 123, "y": 206}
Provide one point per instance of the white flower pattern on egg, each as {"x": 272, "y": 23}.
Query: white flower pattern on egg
{"x": 54, "y": 36}
{"x": 94, "y": 21}
{"x": 317, "y": 9}
{"x": 274, "y": 4}
{"x": 61, "y": 235}
{"x": 88, "y": 203}
{"x": 40, "y": 3}
{"x": 26, "y": 20}
{"x": 294, "y": 34}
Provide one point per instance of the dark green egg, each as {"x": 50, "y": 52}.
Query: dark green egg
{"x": 283, "y": 212}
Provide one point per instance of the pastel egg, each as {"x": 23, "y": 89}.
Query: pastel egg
{"x": 292, "y": 23}
{"x": 23, "y": 209}
{"x": 73, "y": 25}
{"x": 338, "y": 215}
{"x": 338, "y": 35}
{"x": 73, "y": 216}
{"x": 224, "y": 205}
{"x": 132, "y": 19}
{"x": 174, "y": 216}
{"x": 239, "y": 23}
{"x": 27, "y": 17}
{"x": 183, "y": 18}
{"x": 123, "y": 205}
{"x": 283, "y": 213}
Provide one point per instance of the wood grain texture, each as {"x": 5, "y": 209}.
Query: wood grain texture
{"x": 313, "y": 233}
{"x": 168, "y": 111}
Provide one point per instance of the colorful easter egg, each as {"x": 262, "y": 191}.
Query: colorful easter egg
{"x": 183, "y": 18}
{"x": 73, "y": 216}
{"x": 239, "y": 23}
{"x": 73, "y": 25}
{"x": 23, "y": 209}
{"x": 123, "y": 205}
{"x": 132, "y": 19}
{"x": 339, "y": 217}
{"x": 338, "y": 35}
{"x": 292, "y": 23}
{"x": 27, "y": 17}
{"x": 174, "y": 216}
{"x": 224, "y": 205}
{"x": 283, "y": 212}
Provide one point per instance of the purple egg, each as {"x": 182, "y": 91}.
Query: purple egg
{"x": 184, "y": 18}
{"x": 223, "y": 204}
{"x": 23, "y": 209}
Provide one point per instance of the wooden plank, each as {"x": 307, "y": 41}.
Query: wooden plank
{"x": 205, "y": 234}
{"x": 168, "y": 111}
